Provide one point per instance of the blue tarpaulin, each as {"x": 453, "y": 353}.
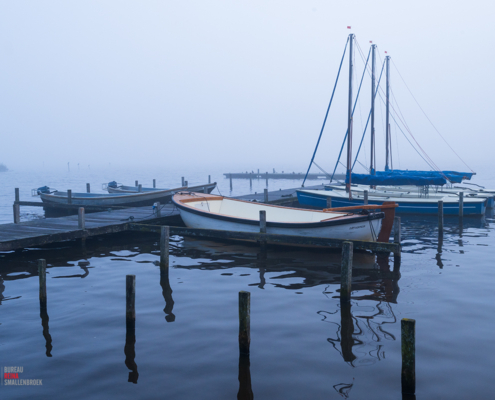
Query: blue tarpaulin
{"x": 383, "y": 179}
{"x": 452, "y": 176}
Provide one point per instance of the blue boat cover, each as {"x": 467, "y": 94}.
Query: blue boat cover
{"x": 396, "y": 179}
{"x": 452, "y": 176}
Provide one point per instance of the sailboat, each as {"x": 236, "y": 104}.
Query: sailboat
{"x": 400, "y": 186}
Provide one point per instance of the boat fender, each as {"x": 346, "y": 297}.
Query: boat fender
{"x": 112, "y": 184}
{"x": 43, "y": 190}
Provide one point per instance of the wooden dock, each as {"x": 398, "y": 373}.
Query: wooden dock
{"x": 40, "y": 232}
{"x": 280, "y": 175}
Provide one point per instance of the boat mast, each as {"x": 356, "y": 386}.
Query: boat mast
{"x": 387, "y": 123}
{"x": 349, "y": 121}
{"x": 372, "y": 158}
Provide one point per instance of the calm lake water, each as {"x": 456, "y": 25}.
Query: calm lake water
{"x": 303, "y": 345}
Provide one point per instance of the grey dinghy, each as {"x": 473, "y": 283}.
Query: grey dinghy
{"x": 227, "y": 214}
{"x": 206, "y": 188}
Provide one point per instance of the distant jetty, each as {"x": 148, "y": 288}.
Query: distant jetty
{"x": 3, "y": 168}
{"x": 282, "y": 175}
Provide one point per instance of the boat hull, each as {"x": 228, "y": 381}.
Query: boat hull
{"x": 422, "y": 206}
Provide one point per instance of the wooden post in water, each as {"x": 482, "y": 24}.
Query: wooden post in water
{"x": 262, "y": 221}
{"x": 140, "y": 188}
{"x": 250, "y": 180}
{"x": 69, "y": 196}
{"x": 267, "y": 179}
{"x": 440, "y": 217}
{"x": 130, "y": 301}
{"x": 164, "y": 247}
{"x": 209, "y": 178}
{"x": 154, "y": 183}
{"x": 329, "y": 202}
{"x": 182, "y": 181}
{"x": 42, "y": 277}
{"x": 346, "y": 272}
{"x": 81, "y": 219}
{"x": 186, "y": 183}
{"x": 230, "y": 175}
{"x": 88, "y": 188}
{"x": 17, "y": 207}
{"x": 136, "y": 183}
{"x": 397, "y": 233}
{"x": 244, "y": 321}
{"x": 461, "y": 204}
{"x": 408, "y": 376}
{"x": 265, "y": 191}
{"x": 365, "y": 197}
{"x": 158, "y": 209}
{"x": 205, "y": 189}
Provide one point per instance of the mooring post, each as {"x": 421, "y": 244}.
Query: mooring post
{"x": 265, "y": 191}
{"x": 346, "y": 271}
{"x": 408, "y": 376}
{"x": 186, "y": 183}
{"x": 250, "y": 180}
{"x": 230, "y": 175}
{"x": 136, "y": 183}
{"x": 329, "y": 202}
{"x": 267, "y": 179}
{"x": 42, "y": 276}
{"x": 140, "y": 188}
{"x": 154, "y": 183}
{"x": 81, "y": 219}
{"x": 17, "y": 207}
{"x": 461, "y": 204}
{"x": 440, "y": 217}
{"x": 88, "y": 188}
{"x": 69, "y": 196}
{"x": 130, "y": 300}
{"x": 244, "y": 321}
{"x": 397, "y": 233}
{"x": 164, "y": 247}
{"x": 205, "y": 189}
{"x": 365, "y": 197}
{"x": 209, "y": 178}
{"x": 262, "y": 221}
{"x": 158, "y": 209}
{"x": 182, "y": 181}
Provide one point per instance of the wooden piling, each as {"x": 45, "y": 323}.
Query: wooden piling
{"x": 329, "y": 202}
{"x": 209, "y": 178}
{"x": 440, "y": 216}
{"x": 346, "y": 272}
{"x": 130, "y": 299}
{"x": 158, "y": 209}
{"x": 230, "y": 176}
{"x": 140, "y": 188}
{"x": 265, "y": 191}
{"x": 250, "y": 180}
{"x": 164, "y": 247}
{"x": 461, "y": 204}
{"x": 42, "y": 277}
{"x": 69, "y": 196}
{"x": 397, "y": 231}
{"x": 182, "y": 181}
{"x": 136, "y": 183}
{"x": 88, "y": 188}
{"x": 408, "y": 347}
{"x": 205, "y": 189}
{"x": 244, "y": 321}
{"x": 186, "y": 183}
{"x": 262, "y": 221}
{"x": 267, "y": 179}
{"x": 17, "y": 207}
{"x": 81, "y": 219}
{"x": 365, "y": 202}
{"x": 154, "y": 183}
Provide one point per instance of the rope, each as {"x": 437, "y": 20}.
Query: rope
{"x": 434, "y": 127}
{"x": 326, "y": 115}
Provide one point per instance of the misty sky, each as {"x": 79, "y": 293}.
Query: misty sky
{"x": 238, "y": 84}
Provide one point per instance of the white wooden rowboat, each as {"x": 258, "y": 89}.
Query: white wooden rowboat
{"x": 208, "y": 211}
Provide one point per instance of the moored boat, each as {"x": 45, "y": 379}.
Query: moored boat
{"x": 113, "y": 187}
{"x": 222, "y": 213}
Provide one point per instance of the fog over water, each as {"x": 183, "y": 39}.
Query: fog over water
{"x": 237, "y": 85}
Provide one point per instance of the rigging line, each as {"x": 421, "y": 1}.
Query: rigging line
{"x": 355, "y": 102}
{"x": 429, "y": 118}
{"x": 326, "y": 115}
{"x": 367, "y": 121}
{"x": 431, "y": 163}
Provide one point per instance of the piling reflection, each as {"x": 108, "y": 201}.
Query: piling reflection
{"x": 44, "y": 324}
{"x": 245, "y": 390}
{"x": 130, "y": 351}
{"x": 167, "y": 294}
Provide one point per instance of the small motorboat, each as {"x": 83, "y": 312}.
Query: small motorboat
{"x": 208, "y": 211}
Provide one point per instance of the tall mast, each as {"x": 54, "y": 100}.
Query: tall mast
{"x": 349, "y": 120}
{"x": 372, "y": 158}
{"x": 387, "y": 123}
